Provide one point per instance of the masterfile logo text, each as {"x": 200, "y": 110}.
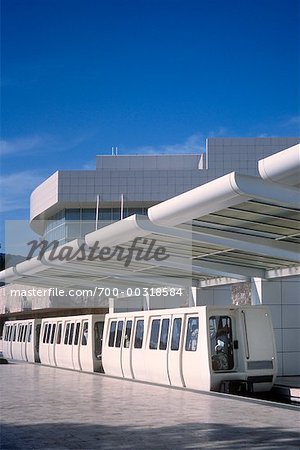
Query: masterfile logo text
{"x": 141, "y": 249}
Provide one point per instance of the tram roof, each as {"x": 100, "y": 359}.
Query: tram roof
{"x": 228, "y": 230}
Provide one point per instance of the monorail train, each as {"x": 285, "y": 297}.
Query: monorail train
{"x": 205, "y": 348}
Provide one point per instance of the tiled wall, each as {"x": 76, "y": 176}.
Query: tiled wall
{"x": 283, "y": 299}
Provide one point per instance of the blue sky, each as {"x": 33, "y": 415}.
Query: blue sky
{"x": 79, "y": 77}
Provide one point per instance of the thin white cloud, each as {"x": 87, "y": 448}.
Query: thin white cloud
{"x": 218, "y": 132}
{"x": 90, "y": 165}
{"x": 30, "y": 144}
{"x": 291, "y": 121}
{"x": 193, "y": 144}
{"x": 19, "y": 145}
{"x": 16, "y": 189}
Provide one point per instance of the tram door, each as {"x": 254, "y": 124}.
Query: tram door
{"x": 75, "y": 347}
{"x": 191, "y": 356}
{"x": 13, "y": 340}
{"x": 175, "y": 351}
{"x": 126, "y": 353}
{"x": 258, "y": 335}
{"x": 51, "y": 345}
{"x": 25, "y": 343}
{"x": 36, "y": 340}
{"x": 118, "y": 346}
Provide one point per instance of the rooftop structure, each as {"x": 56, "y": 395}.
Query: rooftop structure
{"x": 129, "y": 184}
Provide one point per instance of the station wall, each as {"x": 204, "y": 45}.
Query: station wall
{"x": 282, "y": 296}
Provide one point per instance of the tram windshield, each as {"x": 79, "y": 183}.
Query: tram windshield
{"x": 220, "y": 328}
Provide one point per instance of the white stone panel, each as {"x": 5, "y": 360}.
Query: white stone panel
{"x": 276, "y": 315}
{"x": 291, "y": 340}
{"x": 291, "y": 316}
{"x": 291, "y": 363}
{"x": 291, "y": 292}
{"x": 278, "y": 339}
{"x": 271, "y": 292}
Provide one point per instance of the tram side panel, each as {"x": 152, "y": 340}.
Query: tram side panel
{"x": 260, "y": 348}
{"x": 114, "y": 346}
{"x": 43, "y": 348}
{"x": 126, "y": 352}
{"x": 124, "y": 345}
{"x": 7, "y": 339}
{"x": 139, "y": 363}
{"x": 17, "y": 344}
{"x": 195, "y": 361}
{"x": 19, "y": 340}
{"x": 155, "y": 353}
{"x": 72, "y": 342}
{"x": 175, "y": 370}
{"x": 225, "y": 347}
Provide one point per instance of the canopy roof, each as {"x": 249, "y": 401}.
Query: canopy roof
{"x": 228, "y": 230}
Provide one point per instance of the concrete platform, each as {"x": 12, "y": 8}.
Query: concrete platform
{"x": 48, "y": 408}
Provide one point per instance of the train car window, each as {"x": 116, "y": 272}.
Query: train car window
{"x": 25, "y": 333}
{"x": 127, "y": 333}
{"x": 163, "y": 342}
{"x": 221, "y": 344}
{"x": 85, "y": 333}
{"x": 175, "y": 341}
{"x": 112, "y": 333}
{"x": 71, "y": 333}
{"x": 45, "y": 332}
{"x": 29, "y": 333}
{"x": 119, "y": 333}
{"x": 67, "y": 333}
{"x": 48, "y": 333}
{"x": 58, "y": 337}
{"x": 155, "y": 326}
{"x": 139, "y": 334}
{"x": 98, "y": 339}
{"x": 192, "y": 332}
{"x": 19, "y": 333}
{"x": 22, "y": 333}
{"x": 53, "y": 333}
{"x": 6, "y": 333}
{"x": 77, "y": 330}
{"x": 14, "y": 333}
{"x": 9, "y": 332}
{"x": 37, "y": 341}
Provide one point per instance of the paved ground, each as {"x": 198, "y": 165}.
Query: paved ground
{"x": 47, "y": 408}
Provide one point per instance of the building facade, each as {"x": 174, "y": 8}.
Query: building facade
{"x": 64, "y": 206}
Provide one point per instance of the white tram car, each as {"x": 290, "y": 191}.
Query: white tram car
{"x": 198, "y": 347}
{"x": 205, "y": 348}
{"x": 21, "y": 340}
{"x": 72, "y": 342}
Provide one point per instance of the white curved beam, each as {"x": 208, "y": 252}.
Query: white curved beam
{"x": 218, "y": 194}
{"x": 284, "y": 166}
